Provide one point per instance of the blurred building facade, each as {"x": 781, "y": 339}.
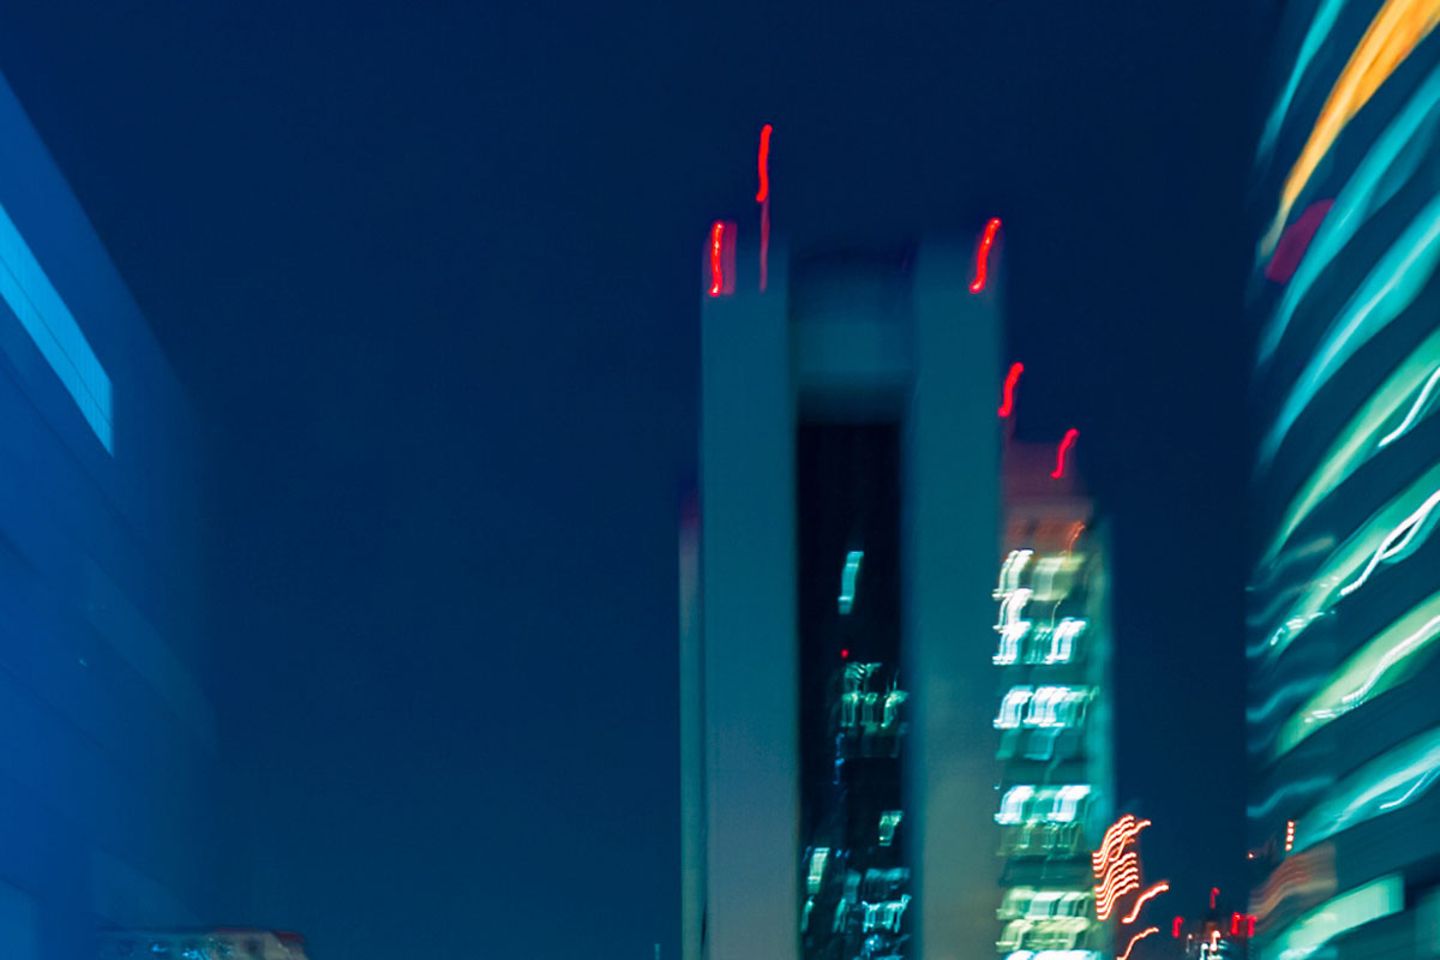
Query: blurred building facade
{"x": 108, "y": 776}
{"x": 1344, "y": 619}
{"x": 1053, "y": 717}
{"x": 838, "y": 756}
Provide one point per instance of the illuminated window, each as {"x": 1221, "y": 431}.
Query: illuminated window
{"x": 818, "y": 858}
{"x": 1062, "y": 640}
{"x": 1010, "y": 572}
{"x": 848, "y": 577}
{"x": 1057, "y": 706}
{"x": 889, "y": 821}
{"x": 36, "y": 303}
{"x": 1011, "y": 627}
{"x": 1012, "y": 805}
{"x": 1012, "y": 707}
{"x": 1027, "y": 803}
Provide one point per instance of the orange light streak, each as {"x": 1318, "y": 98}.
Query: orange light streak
{"x": 1147, "y": 932}
{"x": 1143, "y": 899}
{"x": 1392, "y": 36}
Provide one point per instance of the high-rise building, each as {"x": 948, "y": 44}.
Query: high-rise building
{"x": 1344, "y": 621}
{"x": 1053, "y": 717}
{"x": 838, "y": 695}
{"x": 108, "y": 775}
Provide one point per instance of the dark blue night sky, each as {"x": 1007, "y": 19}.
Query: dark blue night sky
{"x": 429, "y": 272}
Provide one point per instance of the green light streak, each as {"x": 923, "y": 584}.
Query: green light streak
{"x": 1382, "y": 664}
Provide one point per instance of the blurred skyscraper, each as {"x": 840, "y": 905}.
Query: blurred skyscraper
{"x": 1343, "y": 715}
{"x": 837, "y": 692}
{"x": 1052, "y": 656}
{"x": 107, "y": 778}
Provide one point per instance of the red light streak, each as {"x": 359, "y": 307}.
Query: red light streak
{"x": 1176, "y": 927}
{"x": 763, "y": 163}
{"x": 717, "y": 258}
{"x": 1147, "y": 932}
{"x": 762, "y": 197}
{"x": 982, "y": 256}
{"x": 1295, "y": 241}
{"x": 1214, "y": 893}
{"x": 1066, "y": 443}
{"x": 1234, "y": 924}
{"x": 1250, "y": 925}
{"x": 1143, "y": 899}
{"x": 1007, "y": 397}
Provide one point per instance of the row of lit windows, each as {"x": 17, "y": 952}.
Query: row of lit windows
{"x": 885, "y": 916}
{"x": 1044, "y": 706}
{"x": 1022, "y": 642}
{"x": 1058, "y": 933}
{"x": 1048, "y": 579}
{"x": 1034, "y": 804}
{"x": 1034, "y": 904}
{"x": 1064, "y": 840}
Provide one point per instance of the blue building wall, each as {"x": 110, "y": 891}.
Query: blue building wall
{"x": 108, "y": 755}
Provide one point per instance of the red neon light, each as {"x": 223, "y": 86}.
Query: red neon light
{"x": 1214, "y": 892}
{"x": 1250, "y": 919}
{"x": 717, "y": 258}
{"x": 1295, "y": 241}
{"x": 845, "y": 653}
{"x": 1066, "y": 443}
{"x": 1234, "y": 924}
{"x": 1176, "y": 927}
{"x": 763, "y": 163}
{"x": 982, "y": 256}
{"x": 1007, "y": 398}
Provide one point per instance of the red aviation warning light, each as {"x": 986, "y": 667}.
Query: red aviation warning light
{"x": 1007, "y": 397}
{"x": 762, "y": 197}
{"x": 1063, "y": 452}
{"x": 763, "y": 163}
{"x": 722, "y": 258}
{"x": 982, "y": 255}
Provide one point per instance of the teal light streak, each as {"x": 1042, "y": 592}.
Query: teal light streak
{"x": 1389, "y": 288}
{"x": 1388, "y": 783}
{"x": 28, "y": 292}
{"x": 1397, "y": 152}
{"x": 848, "y": 577}
{"x": 1319, "y": 30}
